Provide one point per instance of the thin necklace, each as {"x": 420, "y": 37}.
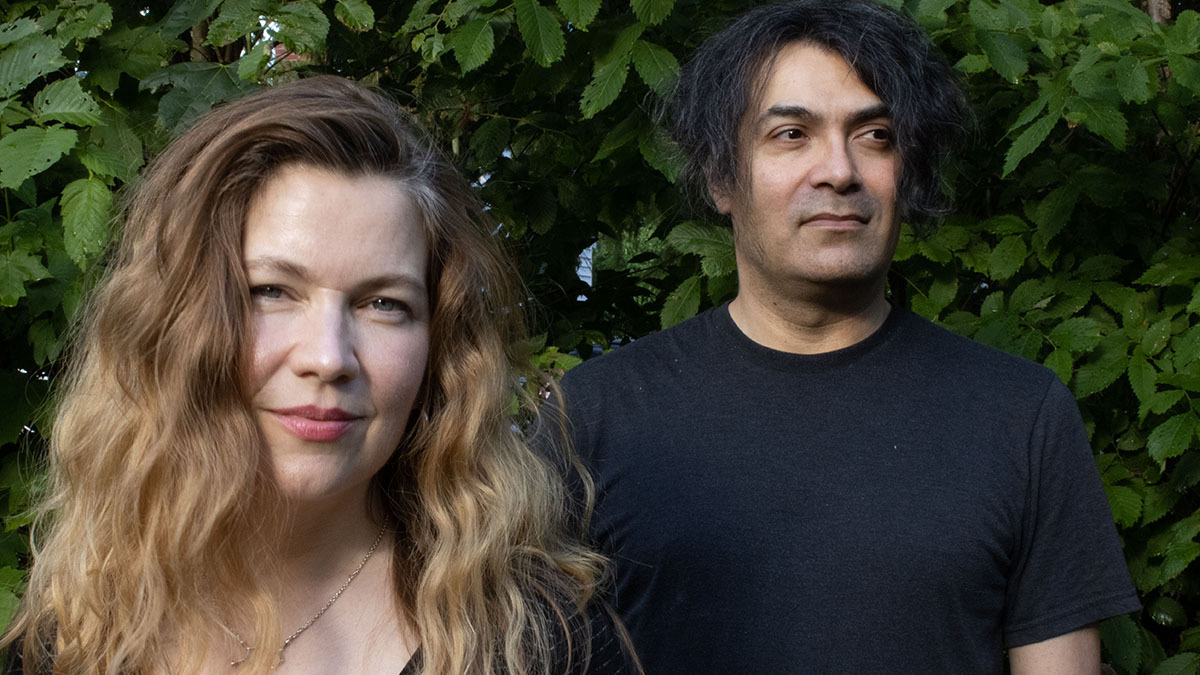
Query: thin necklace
{"x": 329, "y": 603}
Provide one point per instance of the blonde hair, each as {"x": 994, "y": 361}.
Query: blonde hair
{"x": 159, "y": 503}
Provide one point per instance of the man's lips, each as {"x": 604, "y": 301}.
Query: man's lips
{"x": 310, "y": 423}
{"x": 835, "y": 220}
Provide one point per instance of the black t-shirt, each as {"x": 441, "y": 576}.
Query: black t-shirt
{"x": 916, "y": 502}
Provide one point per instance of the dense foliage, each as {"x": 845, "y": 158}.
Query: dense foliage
{"x": 1075, "y": 242}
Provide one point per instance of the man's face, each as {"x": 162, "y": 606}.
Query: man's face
{"x": 820, "y": 204}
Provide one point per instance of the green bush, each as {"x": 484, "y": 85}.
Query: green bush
{"x": 1074, "y": 242}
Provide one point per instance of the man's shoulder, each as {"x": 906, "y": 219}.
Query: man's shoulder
{"x": 665, "y": 348}
{"x": 971, "y": 363}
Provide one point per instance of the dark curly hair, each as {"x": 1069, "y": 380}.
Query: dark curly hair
{"x": 888, "y": 52}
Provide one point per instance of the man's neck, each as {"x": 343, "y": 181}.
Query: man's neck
{"x": 798, "y": 327}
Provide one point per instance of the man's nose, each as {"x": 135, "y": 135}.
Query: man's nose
{"x": 326, "y": 349}
{"x": 835, "y": 167}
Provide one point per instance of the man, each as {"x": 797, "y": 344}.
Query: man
{"x": 809, "y": 479}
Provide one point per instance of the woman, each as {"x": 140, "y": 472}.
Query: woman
{"x": 285, "y": 441}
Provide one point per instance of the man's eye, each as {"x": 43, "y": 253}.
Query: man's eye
{"x": 269, "y": 292}
{"x": 880, "y": 135}
{"x": 792, "y": 134}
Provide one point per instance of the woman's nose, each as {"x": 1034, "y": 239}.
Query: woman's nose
{"x": 326, "y": 348}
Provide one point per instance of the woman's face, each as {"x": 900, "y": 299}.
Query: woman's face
{"x": 337, "y": 272}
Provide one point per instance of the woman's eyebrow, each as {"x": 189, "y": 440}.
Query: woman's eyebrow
{"x": 295, "y": 270}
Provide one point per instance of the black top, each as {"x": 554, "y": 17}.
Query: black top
{"x": 916, "y": 502}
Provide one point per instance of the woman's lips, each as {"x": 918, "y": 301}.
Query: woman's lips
{"x": 310, "y": 423}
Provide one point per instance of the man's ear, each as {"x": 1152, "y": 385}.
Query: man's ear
{"x": 722, "y": 197}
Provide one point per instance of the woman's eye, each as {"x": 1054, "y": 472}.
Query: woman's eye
{"x": 269, "y": 292}
{"x": 387, "y": 305}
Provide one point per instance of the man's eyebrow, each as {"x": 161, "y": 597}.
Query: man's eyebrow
{"x": 803, "y": 114}
{"x": 297, "y": 271}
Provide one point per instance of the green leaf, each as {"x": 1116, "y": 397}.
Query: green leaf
{"x": 236, "y": 19}
{"x": 656, "y": 65}
{"x": 1172, "y": 437}
{"x": 541, "y": 32}
{"x": 1123, "y": 642}
{"x": 253, "y": 61}
{"x": 65, "y": 101}
{"x": 1141, "y": 377}
{"x": 116, "y": 137}
{"x": 9, "y": 603}
{"x": 1054, "y": 212}
{"x": 1180, "y": 554}
{"x": 1005, "y": 55}
{"x": 1126, "y": 504}
{"x": 26, "y": 60}
{"x": 302, "y": 27}
{"x": 1167, "y": 611}
{"x": 1007, "y": 257}
{"x": 1132, "y": 80}
{"x": 1028, "y": 141}
{"x": 1193, "y": 306}
{"x": 15, "y": 30}
{"x": 1176, "y": 270}
{"x": 1029, "y": 112}
{"x": 45, "y": 342}
{"x": 617, "y": 137}
{"x": 985, "y": 16}
{"x": 1104, "y": 366}
{"x": 1100, "y": 267}
{"x": 682, "y": 303}
{"x": 579, "y": 12}
{"x": 1180, "y": 664}
{"x": 473, "y": 44}
{"x": 29, "y": 151}
{"x": 17, "y": 267}
{"x": 1156, "y": 337}
{"x": 1061, "y": 363}
{"x": 1078, "y": 334}
{"x": 86, "y": 204}
{"x": 701, "y": 239}
{"x": 1187, "y": 347}
{"x": 932, "y": 13}
{"x": 419, "y": 17}
{"x": 652, "y": 12}
{"x": 972, "y": 64}
{"x": 91, "y": 25}
{"x": 661, "y": 152}
{"x": 356, "y": 15}
{"x": 1100, "y": 118}
{"x": 1184, "y": 36}
{"x": 185, "y": 14}
{"x": 608, "y": 79}
{"x": 490, "y": 139}
{"x": 1158, "y": 502}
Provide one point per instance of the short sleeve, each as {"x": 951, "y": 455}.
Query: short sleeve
{"x": 1068, "y": 570}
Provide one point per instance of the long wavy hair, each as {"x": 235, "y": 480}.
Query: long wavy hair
{"x": 158, "y": 519}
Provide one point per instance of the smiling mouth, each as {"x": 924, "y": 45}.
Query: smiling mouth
{"x": 310, "y": 423}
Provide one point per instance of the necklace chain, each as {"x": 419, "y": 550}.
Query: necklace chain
{"x": 328, "y": 603}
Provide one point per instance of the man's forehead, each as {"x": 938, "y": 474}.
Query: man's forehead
{"x": 812, "y": 77}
